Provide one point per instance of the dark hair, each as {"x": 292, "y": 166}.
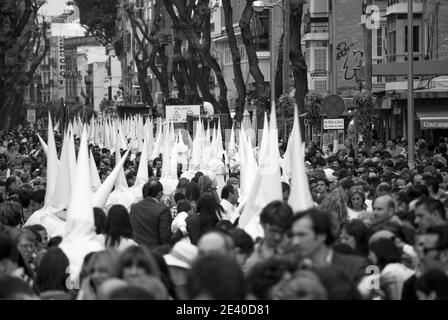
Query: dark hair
{"x": 13, "y": 288}
{"x": 386, "y": 252}
{"x": 38, "y": 196}
{"x": 183, "y": 205}
{"x": 139, "y": 256}
{"x": 358, "y": 230}
{"x": 210, "y": 212}
{"x": 131, "y": 293}
{"x": 54, "y": 242}
{"x": 242, "y": 240}
{"x": 118, "y": 225}
{"x": 277, "y": 213}
{"x": 53, "y": 271}
{"x": 325, "y": 180}
{"x": 192, "y": 192}
{"x": 337, "y": 283}
{"x": 418, "y": 191}
{"x": 226, "y": 191}
{"x": 285, "y": 187}
{"x": 322, "y": 223}
{"x": 433, "y": 206}
{"x": 217, "y": 276}
{"x": 430, "y": 181}
{"x": 266, "y": 274}
{"x": 100, "y": 220}
{"x": 10, "y": 214}
{"x": 152, "y": 189}
{"x": 178, "y": 196}
{"x": 433, "y": 281}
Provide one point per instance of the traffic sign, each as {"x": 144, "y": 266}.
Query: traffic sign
{"x": 178, "y": 114}
{"x": 333, "y": 105}
{"x": 333, "y": 124}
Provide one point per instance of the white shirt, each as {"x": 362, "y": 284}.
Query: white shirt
{"x": 229, "y": 211}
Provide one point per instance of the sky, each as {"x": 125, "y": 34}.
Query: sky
{"x": 53, "y": 7}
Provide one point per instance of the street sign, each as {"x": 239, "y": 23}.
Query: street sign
{"x": 333, "y": 105}
{"x": 31, "y": 115}
{"x": 179, "y": 114}
{"x": 333, "y": 124}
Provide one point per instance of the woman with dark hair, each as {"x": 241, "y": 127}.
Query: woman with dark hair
{"x": 100, "y": 219}
{"x": 164, "y": 273}
{"x": 354, "y": 234}
{"x": 136, "y": 262}
{"x": 209, "y": 213}
{"x": 51, "y": 278}
{"x": 208, "y": 187}
{"x": 119, "y": 231}
{"x": 192, "y": 194}
{"x": 385, "y": 254}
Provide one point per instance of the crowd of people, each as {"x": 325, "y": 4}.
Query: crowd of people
{"x": 378, "y": 231}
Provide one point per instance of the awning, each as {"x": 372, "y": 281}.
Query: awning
{"x": 432, "y": 117}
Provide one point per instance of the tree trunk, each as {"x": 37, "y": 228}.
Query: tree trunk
{"x": 246, "y": 35}
{"x": 236, "y": 59}
{"x": 279, "y": 72}
{"x": 177, "y": 65}
{"x": 298, "y": 62}
{"x": 142, "y": 72}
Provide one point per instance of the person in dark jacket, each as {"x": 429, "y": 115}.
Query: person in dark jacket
{"x": 150, "y": 218}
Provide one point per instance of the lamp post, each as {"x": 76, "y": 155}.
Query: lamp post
{"x": 410, "y": 86}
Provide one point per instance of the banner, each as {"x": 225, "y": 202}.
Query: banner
{"x": 61, "y": 68}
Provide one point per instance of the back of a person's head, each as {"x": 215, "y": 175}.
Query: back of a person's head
{"x": 242, "y": 240}
{"x": 14, "y": 288}
{"x": 262, "y": 277}
{"x": 434, "y": 284}
{"x": 10, "y": 214}
{"x": 100, "y": 220}
{"x": 277, "y": 213}
{"x": 183, "y": 206}
{"x": 53, "y": 271}
{"x": 153, "y": 285}
{"x": 152, "y": 189}
{"x": 131, "y": 293}
{"x": 386, "y": 251}
{"x": 216, "y": 277}
{"x": 304, "y": 285}
{"x": 337, "y": 284}
{"x": 118, "y": 224}
{"x": 38, "y": 196}
{"x": 192, "y": 191}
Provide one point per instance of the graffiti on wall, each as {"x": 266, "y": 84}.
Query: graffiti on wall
{"x": 352, "y": 59}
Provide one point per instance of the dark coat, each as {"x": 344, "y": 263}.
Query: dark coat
{"x": 151, "y": 222}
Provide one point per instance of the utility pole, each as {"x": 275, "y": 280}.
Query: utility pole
{"x": 333, "y": 47}
{"x": 410, "y": 85}
{"x": 286, "y": 15}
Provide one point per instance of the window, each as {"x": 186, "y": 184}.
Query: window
{"x": 319, "y": 6}
{"x": 227, "y": 56}
{"x": 320, "y": 59}
{"x": 260, "y": 30}
{"x": 415, "y": 39}
{"x": 379, "y": 42}
{"x": 320, "y": 85}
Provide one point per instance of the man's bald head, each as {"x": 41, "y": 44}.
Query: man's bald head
{"x": 216, "y": 242}
{"x": 383, "y": 207}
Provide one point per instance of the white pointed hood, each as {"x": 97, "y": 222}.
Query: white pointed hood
{"x": 52, "y": 165}
{"x": 300, "y": 198}
{"x": 142, "y": 173}
{"x": 94, "y": 176}
{"x": 102, "y": 194}
{"x": 43, "y": 144}
{"x": 80, "y": 238}
{"x": 267, "y": 185}
{"x": 120, "y": 182}
{"x": 64, "y": 178}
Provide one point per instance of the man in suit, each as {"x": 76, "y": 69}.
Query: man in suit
{"x": 150, "y": 218}
{"x": 312, "y": 235}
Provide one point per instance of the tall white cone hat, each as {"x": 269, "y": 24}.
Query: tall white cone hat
{"x": 79, "y": 237}
{"x": 102, "y": 194}
{"x": 63, "y": 182}
{"x": 52, "y": 164}
{"x": 43, "y": 144}
{"x": 267, "y": 185}
{"x": 300, "y": 198}
{"x": 94, "y": 176}
{"x": 121, "y": 179}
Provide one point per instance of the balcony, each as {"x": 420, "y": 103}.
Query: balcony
{"x": 401, "y": 7}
